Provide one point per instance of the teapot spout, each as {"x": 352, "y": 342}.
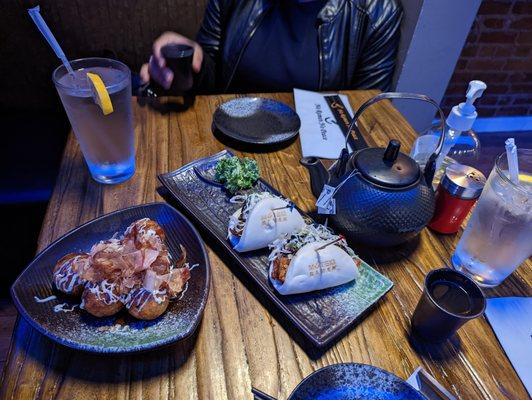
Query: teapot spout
{"x": 319, "y": 175}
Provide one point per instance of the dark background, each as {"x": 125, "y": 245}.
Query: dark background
{"x": 124, "y": 29}
{"x": 498, "y": 48}
{"x": 498, "y": 51}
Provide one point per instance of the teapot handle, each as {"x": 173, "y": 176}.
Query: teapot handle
{"x": 430, "y": 167}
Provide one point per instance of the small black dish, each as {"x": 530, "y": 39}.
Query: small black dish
{"x": 120, "y": 333}
{"x": 248, "y": 147}
{"x": 354, "y": 381}
{"x": 450, "y": 299}
{"x": 256, "y": 121}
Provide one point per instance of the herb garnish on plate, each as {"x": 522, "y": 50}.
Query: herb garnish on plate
{"x": 236, "y": 173}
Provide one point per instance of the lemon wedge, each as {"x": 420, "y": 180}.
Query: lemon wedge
{"x": 100, "y": 93}
{"x": 525, "y": 178}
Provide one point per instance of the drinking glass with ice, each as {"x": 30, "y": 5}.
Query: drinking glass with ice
{"x": 96, "y": 94}
{"x": 106, "y": 140}
{"x": 498, "y": 237}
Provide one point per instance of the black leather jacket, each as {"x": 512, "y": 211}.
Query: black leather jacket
{"x": 358, "y": 41}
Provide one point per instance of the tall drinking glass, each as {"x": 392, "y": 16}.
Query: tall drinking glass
{"x": 498, "y": 237}
{"x": 107, "y": 141}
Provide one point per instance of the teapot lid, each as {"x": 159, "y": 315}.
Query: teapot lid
{"x": 387, "y": 167}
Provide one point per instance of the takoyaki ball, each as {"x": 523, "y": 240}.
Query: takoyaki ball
{"x": 145, "y": 233}
{"x": 101, "y": 300}
{"x": 146, "y": 305}
{"x": 66, "y": 275}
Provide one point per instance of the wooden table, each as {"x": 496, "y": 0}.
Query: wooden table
{"x": 239, "y": 344}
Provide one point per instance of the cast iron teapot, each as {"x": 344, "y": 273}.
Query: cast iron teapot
{"x": 382, "y": 197}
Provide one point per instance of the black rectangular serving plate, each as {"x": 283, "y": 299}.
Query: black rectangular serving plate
{"x": 322, "y": 317}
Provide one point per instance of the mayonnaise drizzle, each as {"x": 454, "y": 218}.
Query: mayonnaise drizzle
{"x": 63, "y": 308}
{"x": 66, "y": 278}
{"x": 191, "y": 268}
{"x": 105, "y": 291}
{"x": 142, "y": 296}
{"x": 49, "y": 298}
{"x": 184, "y": 290}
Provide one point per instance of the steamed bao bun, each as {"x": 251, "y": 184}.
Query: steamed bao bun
{"x": 261, "y": 225}
{"x": 306, "y": 272}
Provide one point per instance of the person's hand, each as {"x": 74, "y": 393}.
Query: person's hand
{"x": 156, "y": 68}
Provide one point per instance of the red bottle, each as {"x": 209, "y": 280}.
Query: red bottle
{"x": 458, "y": 190}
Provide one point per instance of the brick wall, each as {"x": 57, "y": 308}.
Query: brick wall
{"x": 498, "y": 51}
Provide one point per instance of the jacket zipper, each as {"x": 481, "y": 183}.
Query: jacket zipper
{"x": 248, "y": 39}
{"x": 320, "y": 57}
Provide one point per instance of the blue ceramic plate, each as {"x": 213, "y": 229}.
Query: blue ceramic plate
{"x": 120, "y": 333}
{"x": 354, "y": 382}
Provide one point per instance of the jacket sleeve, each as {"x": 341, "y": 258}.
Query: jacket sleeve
{"x": 379, "y": 52}
{"x": 209, "y": 37}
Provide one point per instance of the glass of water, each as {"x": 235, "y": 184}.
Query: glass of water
{"x": 107, "y": 141}
{"x": 498, "y": 237}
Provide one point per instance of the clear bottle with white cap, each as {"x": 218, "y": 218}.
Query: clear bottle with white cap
{"x": 461, "y": 143}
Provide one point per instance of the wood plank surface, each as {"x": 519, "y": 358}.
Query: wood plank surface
{"x": 239, "y": 343}
{"x": 8, "y": 315}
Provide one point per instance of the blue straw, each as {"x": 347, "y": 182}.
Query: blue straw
{"x": 49, "y": 36}
{"x": 513, "y": 163}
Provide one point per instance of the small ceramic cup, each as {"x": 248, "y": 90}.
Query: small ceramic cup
{"x": 450, "y": 299}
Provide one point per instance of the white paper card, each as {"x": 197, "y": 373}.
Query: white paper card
{"x": 325, "y": 196}
{"x": 415, "y": 380}
{"x": 412, "y": 379}
{"x": 320, "y": 135}
{"x": 511, "y": 319}
{"x": 325, "y": 203}
{"x": 329, "y": 208}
